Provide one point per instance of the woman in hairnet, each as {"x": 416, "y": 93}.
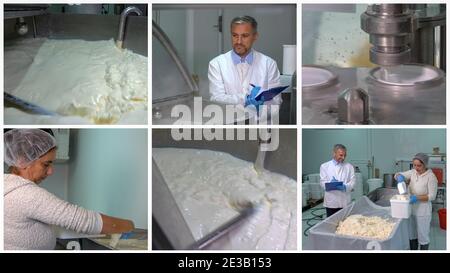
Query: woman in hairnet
{"x": 422, "y": 189}
{"x": 29, "y": 210}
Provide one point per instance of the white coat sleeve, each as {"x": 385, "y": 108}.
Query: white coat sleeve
{"x": 350, "y": 184}
{"x": 407, "y": 175}
{"x": 432, "y": 187}
{"x": 323, "y": 176}
{"x": 47, "y": 208}
{"x": 217, "y": 90}
{"x": 274, "y": 81}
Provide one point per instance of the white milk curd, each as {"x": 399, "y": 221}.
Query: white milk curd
{"x": 89, "y": 79}
{"x": 372, "y": 227}
{"x": 210, "y": 187}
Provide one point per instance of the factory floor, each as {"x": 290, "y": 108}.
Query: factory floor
{"x": 437, "y": 235}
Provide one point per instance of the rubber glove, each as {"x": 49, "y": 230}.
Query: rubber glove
{"x": 251, "y": 99}
{"x": 335, "y": 180}
{"x": 331, "y": 186}
{"x": 126, "y": 235}
{"x": 413, "y": 199}
{"x": 400, "y": 178}
{"x": 341, "y": 187}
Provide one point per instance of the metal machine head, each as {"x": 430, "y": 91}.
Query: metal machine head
{"x": 390, "y": 27}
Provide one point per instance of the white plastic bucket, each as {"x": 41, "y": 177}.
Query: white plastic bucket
{"x": 400, "y": 208}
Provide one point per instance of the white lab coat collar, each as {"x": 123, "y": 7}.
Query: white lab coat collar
{"x": 336, "y": 163}
{"x": 424, "y": 173}
{"x": 247, "y": 59}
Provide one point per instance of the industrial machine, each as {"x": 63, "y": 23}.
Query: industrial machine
{"x": 169, "y": 228}
{"x": 27, "y": 26}
{"x": 390, "y": 27}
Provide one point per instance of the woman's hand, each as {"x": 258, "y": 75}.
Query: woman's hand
{"x": 418, "y": 198}
{"x": 399, "y": 178}
{"x": 113, "y": 225}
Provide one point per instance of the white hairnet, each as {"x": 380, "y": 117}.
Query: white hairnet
{"x": 422, "y": 158}
{"x": 23, "y": 146}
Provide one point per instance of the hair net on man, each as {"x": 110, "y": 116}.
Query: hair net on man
{"x": 23, "y": 146}
{"x": 422, "y": 158}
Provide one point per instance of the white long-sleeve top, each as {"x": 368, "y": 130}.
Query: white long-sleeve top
{"x": 422, "y": 184}
{"x": 227, "y": 85}
{"x": 30, "y": 211}
{"x": 342, "y": 172}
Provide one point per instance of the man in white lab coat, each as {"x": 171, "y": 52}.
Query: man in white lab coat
{"x": 341, "y": 176}
{"x": 233, "y": 75}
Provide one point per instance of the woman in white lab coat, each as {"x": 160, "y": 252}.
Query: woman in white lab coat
{"x": 423, "y": 189}
{"x": 29, "y": 210}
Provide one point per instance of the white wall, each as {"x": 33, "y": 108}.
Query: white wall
{"x": 393, "y": 144}
{"x": 108, "y": 172}
{"x": 174, "y": 23}
{"x": 58, "y": 182}
{"x": 318, "y": 145}
{"x": 206, "y": 45}
{"x": 385, "y": 145}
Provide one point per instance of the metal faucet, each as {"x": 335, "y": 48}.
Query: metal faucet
{"x": 123, "y": 17}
